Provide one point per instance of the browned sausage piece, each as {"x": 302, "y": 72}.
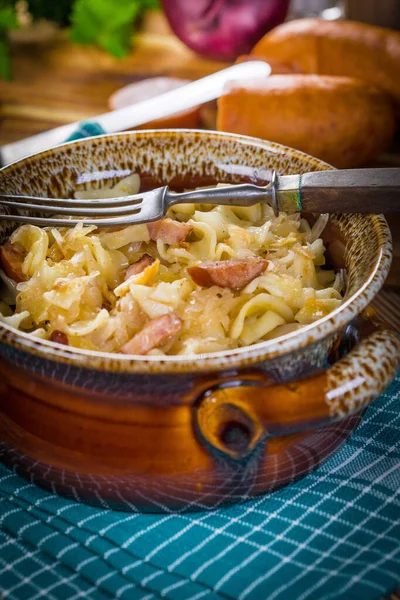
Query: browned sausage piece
{"x": 11, "y": 258}
{"x": 169, "y": 231}
{"x": 233, "y": 274}
{"x": 155, "y": 333}
{"x": 59, "y": 337}
{"x": 139, "y": 266}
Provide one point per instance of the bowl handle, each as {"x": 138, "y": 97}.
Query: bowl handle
{"x": 235, "y": 415}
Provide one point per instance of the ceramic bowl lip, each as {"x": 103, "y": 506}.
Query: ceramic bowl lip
{"x": 213, "y": 361}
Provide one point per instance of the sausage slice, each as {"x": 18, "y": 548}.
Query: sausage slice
{"x": 11, "y": 258}
{"x": 169, "y": 231}
{"x": 155, "y": 333}
{"x": 59, "y": 337}
{"x": 234, "y": 274}
{"x": 139, "y": 266}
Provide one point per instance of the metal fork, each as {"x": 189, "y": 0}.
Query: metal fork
{"x": 346, "y": 191}
{"x": 126, "y": 210}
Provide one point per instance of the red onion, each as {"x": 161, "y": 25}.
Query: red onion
{"x": 223, "y": 29}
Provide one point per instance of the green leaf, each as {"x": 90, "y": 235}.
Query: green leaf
{"x": 5, "y": 63}
{"x": 8, "y": 18}
{"x": 149, "y": 4}
{"x": 8, "y": 21}
{"x": 106, "y": 23}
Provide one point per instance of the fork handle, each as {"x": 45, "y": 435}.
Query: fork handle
{"x": 342, "y": 191}
{"x": 244, "y": 194}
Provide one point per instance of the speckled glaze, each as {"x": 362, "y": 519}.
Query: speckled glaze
{"x": 184, "y": 433}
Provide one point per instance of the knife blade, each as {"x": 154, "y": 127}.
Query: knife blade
{"x": 193, "y": 94}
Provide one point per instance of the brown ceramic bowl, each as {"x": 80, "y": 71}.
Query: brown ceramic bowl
{"x": 189, "y": 433}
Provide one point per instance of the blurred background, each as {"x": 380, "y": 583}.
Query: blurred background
{"x": 110, "y": 25}
{"x": 385, "y": 13}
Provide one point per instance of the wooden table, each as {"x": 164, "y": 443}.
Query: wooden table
{"x": 59, "y": 82}
{"x": 56, "y": 82}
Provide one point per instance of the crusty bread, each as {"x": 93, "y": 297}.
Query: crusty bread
{"x": 343, "y": 48}
{"x": 341, "y": 120}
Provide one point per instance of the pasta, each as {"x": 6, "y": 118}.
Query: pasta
{"x": 204, "y": 279}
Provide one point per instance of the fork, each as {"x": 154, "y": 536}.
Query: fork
{"x": 346, "y": 191}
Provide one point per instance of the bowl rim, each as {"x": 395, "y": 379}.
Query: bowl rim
{"x": 225, "y": 359}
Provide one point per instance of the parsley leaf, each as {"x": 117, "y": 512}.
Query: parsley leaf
{"x": 106, "y": 23}
{"x": 8, "y": 18}
{"x": 148, "y": 5}
{"x": 8, "y": 21}
{"x": 5, "y": 65}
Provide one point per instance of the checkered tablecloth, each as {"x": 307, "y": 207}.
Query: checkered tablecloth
{"x": 333, "y": 535}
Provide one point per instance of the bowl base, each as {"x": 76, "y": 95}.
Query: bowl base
{"x": 192, "y": 492}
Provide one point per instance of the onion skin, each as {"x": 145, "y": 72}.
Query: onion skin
{"x": 223, "y": 29}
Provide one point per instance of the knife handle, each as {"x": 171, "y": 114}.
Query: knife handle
{"x": 344, "y": 191}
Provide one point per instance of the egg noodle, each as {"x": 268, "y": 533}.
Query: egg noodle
{"x": 77, "y": 280}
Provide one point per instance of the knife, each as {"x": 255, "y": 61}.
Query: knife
{"x": 195, "y": 93}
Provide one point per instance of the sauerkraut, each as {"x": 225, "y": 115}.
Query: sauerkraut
{"x": 100, "y": 289}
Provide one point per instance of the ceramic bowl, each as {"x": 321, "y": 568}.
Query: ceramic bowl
{"x": 187, "y": 433}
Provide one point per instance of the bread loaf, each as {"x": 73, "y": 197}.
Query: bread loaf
{"x": 342, "y": 48}
{"x": 341, "y": 120}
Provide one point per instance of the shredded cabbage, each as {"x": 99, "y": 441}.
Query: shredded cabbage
{"x": 76, "y": 279}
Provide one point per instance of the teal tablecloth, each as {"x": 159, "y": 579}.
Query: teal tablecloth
{"x": 333, "y": 535}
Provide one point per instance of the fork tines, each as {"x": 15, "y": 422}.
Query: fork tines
{"x": 104, "y": 212}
